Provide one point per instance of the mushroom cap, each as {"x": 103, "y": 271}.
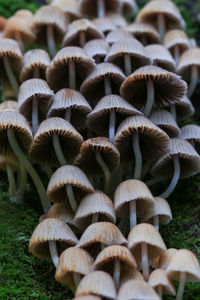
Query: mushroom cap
{"x": 142, "y": 31}
{"x": 88, "y": 297}
{"x": 118, "y": 20}
{"x": 169, "y": 88}
{"x": 3, "y": 22}
{"x": 34, "y": 89}
{"x": 98, "y": 119}
{"x": 161, "y": 57}
{"x": 68, "y": 99}
{"x": 73, "y": 260}
{"x": 24, "y": 13}
{"x": 70, "y": 141}
{"x": 145, "y": 233}
{"x": 72, "y": 37}
{"x": 153, "y": 141}
{"x": 191, "y": 133}
{"x": 164, "y": 119}
{"x": 68, "y": 175}
{"x": 95, "y": 203}
{"x": 184, "y": 109}
{"x": 116, "y": 35}
{"x": 136, "y": 289}
{"x": 69, "y": 7}
{"x": 178, "y": 38}
{"x": 62, "y": 212}
{"x": 34, "y": 60}
{"x": 57, "y": 73}
{"x": 97, "y": 49}
{"x": 159, "y": 278}
{"x": 8, "y": 92}
{"x": 184, "y": 261}
{"x": 132, "y": 190}
{"x": 51, "y": 230}
{"x": 188, "y": 158}
{"x": 170, "y": 11}
{"x": 104, "y": 25}
{"x": 129, "y": 274}
{"x": 9, "y": 105}
{"x": 128, "y": 7}
{"x": 160, "y": 209}
{"x": 87, "y": 160}
{"x": 16, "y": 122}
{"x": 93, "y": 86}
{"x": 189, "y": 58}
{"x": 131, "y": 47}
{"x": 165, "y": 257}
{"x": 9, "y": 159}
{"x": 89, "y": 8}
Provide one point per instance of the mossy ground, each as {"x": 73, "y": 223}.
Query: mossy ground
{"x": 24, "y": 277}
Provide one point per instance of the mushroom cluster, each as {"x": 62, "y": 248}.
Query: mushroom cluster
{"x": 96, "y": 106}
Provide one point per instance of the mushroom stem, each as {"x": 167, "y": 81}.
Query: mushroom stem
{"x": 145, "y": 261}
{"x": 105, "y": 170}
{"x": 159, "y": 291}
{"x": 10, "y": 74}
{"x": 173, "y": 111}
{"x": 53, "y": 252}
{"x": 22, "y": 182}
{"x": 179, "y": 295}
{"x": 51, "y": 40}
{"x": 174, "y": 180}
{"x": 49, "y": 171}
{"x": 133, "y": 217}
{"x": 19, "y": 40}
{"x": 101, "y": 10}
{"x": 68, "y": 115}
{"x": 58, "y": 149}
{"x": 176, "y": 53}
{"x": 116, "y": 273}
{"x": 138, "y": 156}
{"x": 107, "y": 86}
{"x": 112, "y": 126}
{"x": 95, "y": 218}
{"x": 72, "y": 75}
{"x": 193, "y": 81}
{"x": 150, "y": 98}
{"x": 82, "y": 38}
{"x": 34, "y": 115}
{"x": 161, "y": 25}
{"x": 71, "y": 197}
{"x": 11, "y": 180}
{"x": 77, "y": 279}
{"x": 127, "y": 64}
{"x": 26, "y": 163}
{"x": 156, "y": 222}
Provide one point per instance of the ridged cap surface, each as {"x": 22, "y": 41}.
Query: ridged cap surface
{"x": 116, "y": 35}
{"x": 159, "y": 278}
{"x": 9, "y": 105}
{"x": 189, "y": 58}
{"x": 104, "y": 25}
{"x": 144, "y": 32}
{"x": 165, "y": 257}
{"x": 118, "y": 20}
{"x": 178, "y": 38}
{"x": 184, "y": 109}
{"x": 191, "y": 133}
{"x": 61, "y": 211}
{"x": 129, "y": 274}
{"x": 69, "y": 7}
{"x": 97, "y": 49}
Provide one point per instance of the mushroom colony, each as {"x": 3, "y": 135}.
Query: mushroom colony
{"x": 98, "y": 110}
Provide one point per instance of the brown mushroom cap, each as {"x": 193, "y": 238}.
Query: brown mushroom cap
{"x": 118, "y": 20}
{"x": 70, "y": 141}
{"x": 174, "y": 38}
{"x": 97, "y": 49}
{"x": 57, "y": 72}
{"x": 144, "y": 32}
{"x": 165, "y": 257}
{"x": 69, "y": 7}
{"x": 153, "y": 140}
{"x": 191, "y": 133}
{"x": 104, "y": 25}
{"x": 87, "y": 160}
{"x": 89, "y": 8}
{"x": 159, "y": 278}
{"x": 3, "y": 22}
{"x": 73, "y": 260}
{"x": 9, "y": 159}
{"x": 62, "y": 212}
{"x": 188, "y": 158}
{"x": 116, "y": 35}
{"x": 36, "y": 60}
{"x": 184, "y": 109}
{"x": 51, "y": 230}
{"x": 168, "y": 87}
{"x": 128, "y": 7}
{"x": 68, "y": 99}
{"x": 9, "y": 105}
{"x": 189, "y": 58}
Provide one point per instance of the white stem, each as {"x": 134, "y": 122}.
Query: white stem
{"x": 53, "y": 252}
{"x": 51, "y": 40}
{"x": 35, "y": 121}
{"x": 156, "y": 222}
{"x": 193, "y": 81}
{"x": 10, "y": 75}
{"x": 174, "y": 181}
{"x": 145, "y": 261}
{"x": 68, "y": 115}
{"x": 105, "y": 170}
{"x": 160, "y": 291}
{"x": 176, "y": 54}
{"x": 58, "y": 150}
{"x": 116, "y": 273}
{"x": 138, "y": 156}
{"x": 95, "y": 218}
{"x": 179, "y": 295}
{"x": 11, "y": 180}
{"x": 173, "y": 111}
{"x": 107, "y": 86}
{"x": 133, "y": 214}
{"x": 72, "y": 75}
{"x": 101, "y": 11}
{"x": 49, "y": 171}
{"x": 82, "y": 38}
{"x": 24, "y": 160}
{"x": 150, "y": 98}
{"x": 127, "y": 65}
{"x": 77, "y": 279}
{"x": 112, "y": 126}
{"x": 161, "y": 25}
{"x": 19, "y": 40}
{"x": 71, "y": 197}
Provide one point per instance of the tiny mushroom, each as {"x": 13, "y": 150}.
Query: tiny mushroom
{"x": 145, "y": 33}
{"x": 191, "y": 133}
{"x": 165, "y": 257}
{"x": 129, "y": 274}
{"x": 104, "y": 25}
{"x": 118, "y": 20}
{"x": 182, "y": 110}
{"x": 70, "y": 8}
{"x": 98, "y": 8}
{"x": 116, "y": 35}
{"x": 62, "y": 212}
{"x": 127, "y": 7}
{"x": 97, "y": 49}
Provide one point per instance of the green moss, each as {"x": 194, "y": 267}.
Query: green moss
{"x": 9, "y": 7}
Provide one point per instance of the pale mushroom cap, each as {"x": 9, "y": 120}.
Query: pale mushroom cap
{"x": 169, "y": 88}
{"x": 184, "y": 109}
{"x": 174, "y": 38}
{"x": 57, "y": 72}
{"x": 144, "y": 31}
{"x": 188, "y": 158}
{"x": 165, "y": 257}
{"x": 51, "y": 230}
{"x": 9, "y": 105}
{"x": 159, "y": 278}
{"x": 189, "y": 58}
{"x": 68, "y": 175}
{"x": 132, "y": 190}
{"x": 191, "y": 133}
{"x": 24, "y": 13}
{"x": 61, "y": 211}
{"x": 137, "y": 289}
{"x": 153, "y": 141}
{"x": 97, "y": 49}
{"x": 95, "y": 203}
{"x": 145, "y": 233}
{"x": 73, "y": 260}
{"x": 97, "y": 283}
{"x": 116, "y": 35}
{"x": 69, "y": 7}
{"x": 184, "y": 261}
{"x": 117, "y": 19}
{"x": 89, "y": 8}
{"x": 104, "y": 24}
{"x": 129, "y": 274}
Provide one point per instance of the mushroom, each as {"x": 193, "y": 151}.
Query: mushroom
{"x": 127, "y": 7}
{"x": 104, "y": 25}
{"x": 8, "y": 92}
{"x": 50, "y": 238}
{"x": 69, "y": 68}
{"x": 98, "y": 8}
{"x": 129, "y": 274}
{"x": 24, "y": 13}
{"x": 155, "y": 86}
{"x": 69, "y": 7}
{"x": 145, "y": 33}
{"x": 113, "y": 259}
{"x": 118, "y": 20}
{"x": 132, "y": 198}
{"x": 183, "y": 267}
{"x": 145, "y": 243}
{"x": 49, "y": 21}
{"x": 3, "y": 22}
{"x": 8, "y": 105}
{"x": 74, "y": 263}
{"x": 97, "y": 49}
{"x": 161, "y": 283}
{"x": 116, "y": 35}
{"x": 182, "y": 110}
{"x": 88, "y": 297}
{"x": 68, "y": 184}
{"x": 62, "y": 212}
{"x": 34, "y": 99}
{"x": 165, "y": 258}
{"x": 191, "y": 133}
